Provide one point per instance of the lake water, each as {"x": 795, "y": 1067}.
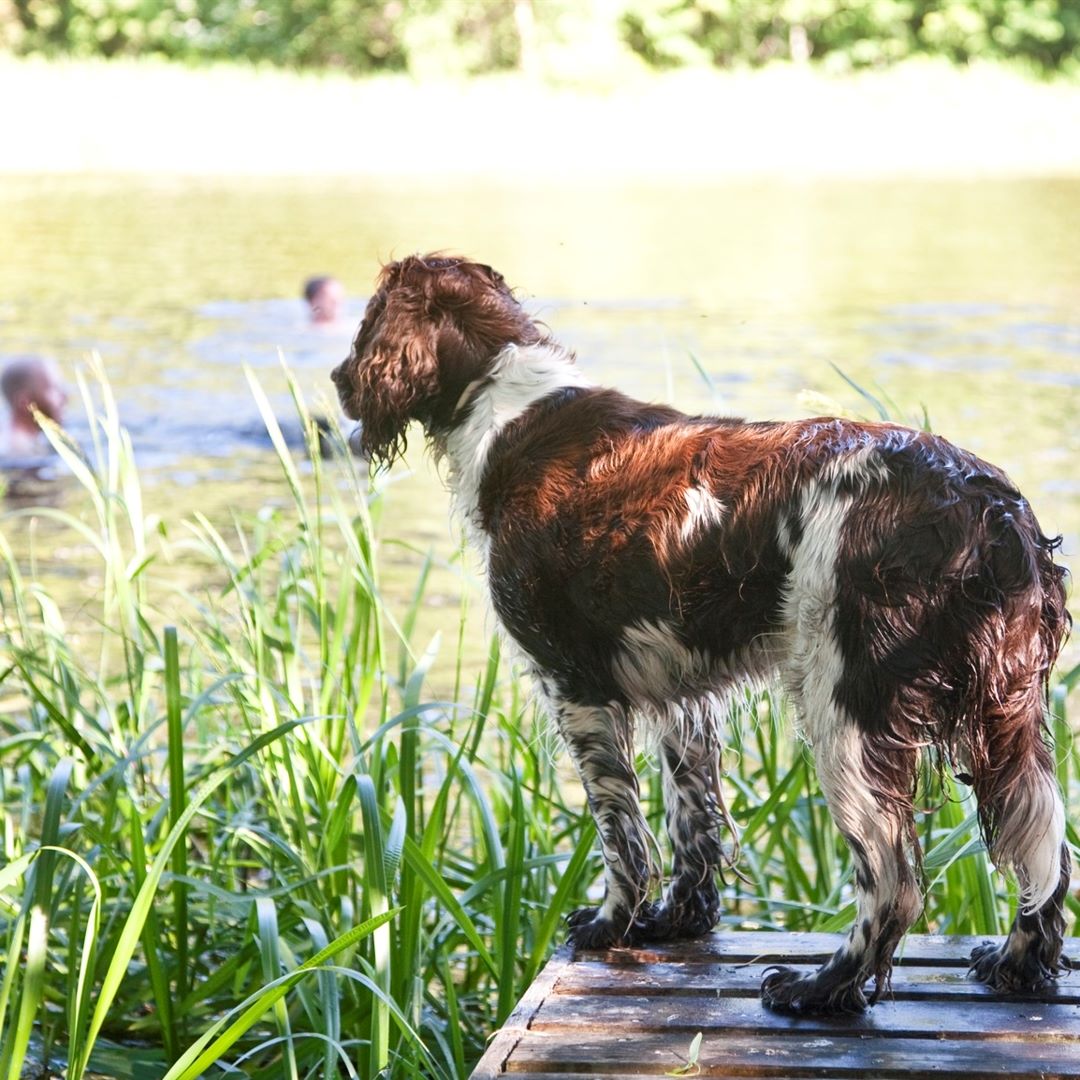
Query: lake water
{"x": 960, "y": 296}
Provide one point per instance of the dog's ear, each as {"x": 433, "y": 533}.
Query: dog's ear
{"x": 396, "y": 381}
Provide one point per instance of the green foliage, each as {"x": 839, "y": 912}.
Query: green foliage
{"x": 427, "y": 36}
{"x": 853, "y": 33}
{"x": 358, "y": 35}
{"x": 244, "y": 838}
{"x": 434, "y": 37}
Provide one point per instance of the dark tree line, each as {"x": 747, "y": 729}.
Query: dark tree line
{"x": 475, "y": 36}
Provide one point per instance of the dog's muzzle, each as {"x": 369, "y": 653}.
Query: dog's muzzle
{"x": 356, "y": 442}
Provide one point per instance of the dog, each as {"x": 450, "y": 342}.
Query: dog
{"x": 646, "y": 563}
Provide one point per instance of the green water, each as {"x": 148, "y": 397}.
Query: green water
{"x": 962, "y": 296}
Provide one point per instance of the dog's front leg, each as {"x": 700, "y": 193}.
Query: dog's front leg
{"x": 690, "y": 762}
{"x": 600, "y": 741}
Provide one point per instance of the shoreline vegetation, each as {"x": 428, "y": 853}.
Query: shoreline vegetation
{"x": 919, "y": 118}
{"x": 241, "y": 829}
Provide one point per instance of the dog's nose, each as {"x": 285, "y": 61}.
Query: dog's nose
{"x": 335, "y": 375}
{"x": 356, "y": 442}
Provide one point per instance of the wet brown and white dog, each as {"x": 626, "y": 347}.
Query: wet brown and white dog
{"x": 646, "y": 562}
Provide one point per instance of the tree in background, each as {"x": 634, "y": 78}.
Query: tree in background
{"x": 853, "y": 33}
{"x": 465, "y": 37}
{"x": 359, "y": 35}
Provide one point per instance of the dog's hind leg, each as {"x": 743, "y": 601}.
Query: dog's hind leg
{"x": 1013, "y": 646}
{"x": 869, "y": 791}
{"x": 1023, "y": 821}
{"x": 1030, "y": 958}
{"x": 601, "y": 745}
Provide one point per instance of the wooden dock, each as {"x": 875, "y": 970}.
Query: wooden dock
{"x": 634, "y": 1013}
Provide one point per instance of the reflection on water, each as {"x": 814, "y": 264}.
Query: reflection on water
{"x": 960, "y": 296}
{"x": 25, "y": 484}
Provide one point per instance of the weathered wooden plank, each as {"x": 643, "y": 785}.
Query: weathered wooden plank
{"x": 675, "y": 978}
{"x": 984, "y": 1020}
{"x": 553, "y": 1053}
{"x": 773, "y": 947}
{"x": 493, "y": 1063}
{"x": 632, "y": 1013}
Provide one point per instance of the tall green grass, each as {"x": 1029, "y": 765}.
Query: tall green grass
{"x": 239, "y": 832}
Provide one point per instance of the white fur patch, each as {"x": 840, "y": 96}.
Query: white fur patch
{"x": 1030, "y": 836}
{"x": 674, "y": 688}
{"x": 703, "y": 509}
{"x": 521, "y": 376}
{"x": 864, "y": 466}
{"x": 814, "y": 663}
{"x": 813, "y": 669}
{"x": 849, "y": 791}
{"x": 838, "y": 758}
{"x": 653, "y": 665}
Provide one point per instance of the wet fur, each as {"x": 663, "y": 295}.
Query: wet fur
{"x": 646, "y": 563}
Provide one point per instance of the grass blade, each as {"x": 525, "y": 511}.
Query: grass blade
{"x": 211, "y": 1046}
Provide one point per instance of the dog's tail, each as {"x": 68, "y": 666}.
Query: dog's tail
{"x": 1020, "y": 634}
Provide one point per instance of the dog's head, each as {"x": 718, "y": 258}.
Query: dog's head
{"x": 432, "y": 329}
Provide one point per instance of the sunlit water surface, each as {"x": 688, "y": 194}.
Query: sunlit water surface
{"x": 960, "y": 297}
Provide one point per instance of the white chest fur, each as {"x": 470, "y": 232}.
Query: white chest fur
{"x": 521, "y": 376}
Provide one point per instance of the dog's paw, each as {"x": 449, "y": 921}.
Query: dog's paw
{"x": 686, "y": 914}
{"x": 786, "y": 990}
{"x": 1010, "y": 974}
{"x": 588, "y": 929}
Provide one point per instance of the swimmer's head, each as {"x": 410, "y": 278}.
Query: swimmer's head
{"x": 324, "y": 296}
{"x": 29, "y": 384}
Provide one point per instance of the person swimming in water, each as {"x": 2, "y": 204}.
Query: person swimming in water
{"x": 325, "y": 295}
{"x": 32, "y": 387}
